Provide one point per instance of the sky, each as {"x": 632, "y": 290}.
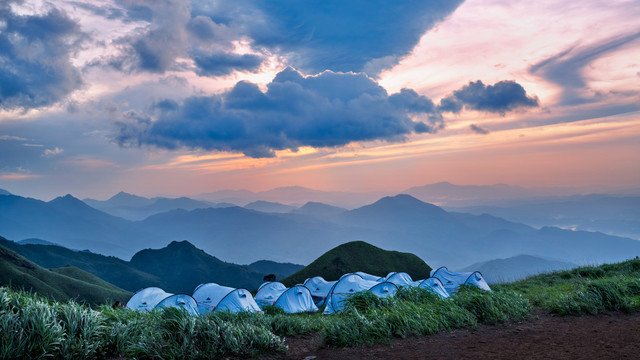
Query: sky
{"x": 179, "y": 97}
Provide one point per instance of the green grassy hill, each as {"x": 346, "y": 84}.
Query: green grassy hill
{"x": 111, "y": 269}
{"x": 61, "y": 284}
{"x": 360, "y": 256}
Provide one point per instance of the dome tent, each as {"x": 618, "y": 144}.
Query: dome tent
{"x": 155, "y": 298}
{"x": 213, "y": 297}
{"x": 434, "y": 285}
{"x": 353, "y": 283}
{"x": 452, "y": 280}
{"x": 319, "y": 288}
{"x": 399, "y": 278}
{"x": 292, "y": 300}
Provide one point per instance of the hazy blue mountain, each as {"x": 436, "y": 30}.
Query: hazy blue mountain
{"x": 71, "y": 223}
{"x": 4, "y": 192}
{"x": 616, "y": 215}
{"x": 269, "y": 206}
{"x": 120, "y": 199}
{"x": 132, "y": 207}
{"x": 319, "y": 210}
{"x": 516, "y": 268}
{"x": 446, "y": 193}
{"x": 280, "y": 270}
{"x": 293, "y": 195}
{"x": 34, "y": 241}
{"x": 240, "y": 235}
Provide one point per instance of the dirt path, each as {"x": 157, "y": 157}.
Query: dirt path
{"x": 612, "y": 336}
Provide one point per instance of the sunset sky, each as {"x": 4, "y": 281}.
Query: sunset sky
{"x": 179, "y": 97}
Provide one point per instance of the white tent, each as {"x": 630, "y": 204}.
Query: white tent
{"x": 319, "y": 288}
{"x": 213, "y": 297}
{"x": 291, "y": 300}
{"x": 352, "y": 283}
{"x": 432, "y": 284}
{"x": 452, "y": 280}
{"x": 399, "y": 278}
{"x": 155, "y": 298}
{"x": 366, "y": 276}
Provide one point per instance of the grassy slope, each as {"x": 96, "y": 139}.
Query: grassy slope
{"x": 585, "y": 290}
{"x": 360, "y": 256}
{"x": 60, "y": 284}
{"x": 108, "y": 268}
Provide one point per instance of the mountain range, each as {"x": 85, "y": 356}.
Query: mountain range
{"x": 516, "y": 268}
{"x": 178, "y": 267}
{"x": 243, "y": 235}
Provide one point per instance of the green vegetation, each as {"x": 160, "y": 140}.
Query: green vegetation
{"x": 360, "y": 256}
{"x": 585, "y": 290}
{"x": 35, "y": 327}
{"x": 61, "y": 284}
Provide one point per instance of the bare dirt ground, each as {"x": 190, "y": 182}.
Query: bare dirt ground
{"x": 610, "y": 336}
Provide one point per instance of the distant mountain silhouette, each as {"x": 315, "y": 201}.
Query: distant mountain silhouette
{"x": 616, "y": 215}
{"x": 360, "y": 256}
{"x": 269, "y": 206}
{"x": 34, "y": 241}
{"x": 241, "y": 235}
{"x": 517, "y": 268}
{"x": 61, "y": 284}
{"x": 132, "y": 207}
{"x": 292, "y": 195}
{"x": 280, "y": 270}
{"x": 319, "y": 210}
{"x": 450, "y": 194}
{"x": 4, "y": 192}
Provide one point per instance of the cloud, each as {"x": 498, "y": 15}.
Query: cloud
{"x": 566, "y": 67}
{"x": 478, "y": 130}
{"x": 344, "y": 35}
{"x": 326, "y": 110}
{"x": 501, "y": 97}
{"x": 225, "y": 63}
{"x": 35, "y": 64}
{"x": 52, "y": 152}
{"x": 10, "y": 137}
{"x": 314, "y": 36}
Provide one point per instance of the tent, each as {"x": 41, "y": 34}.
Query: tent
{"x": 291, "y": 300}
{"x": 366, "y": 276}
{"x": 213, "y": 297}
{"x": 399, "y": 278}
{"x": 434, "y": 285}
{"x": 155, "y": 298}
{"x": 352, "y": 283}
{"x": 452, "y": 280}
{"x": 319, "y": 288}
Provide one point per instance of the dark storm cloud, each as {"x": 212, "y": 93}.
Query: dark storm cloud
{"x": 225, "y": 63}
{"x": 345, "y": 35}
{"x": 501, "y": 97}
{"x": 313, "y": 35}
{"x": 478, "y": 130}
{"x": 565, "y": 68}
{"x": 35, "y": 65}
{"x": 326, "y": 110}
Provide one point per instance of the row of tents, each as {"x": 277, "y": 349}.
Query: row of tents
{"x": 306, "y": 297}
